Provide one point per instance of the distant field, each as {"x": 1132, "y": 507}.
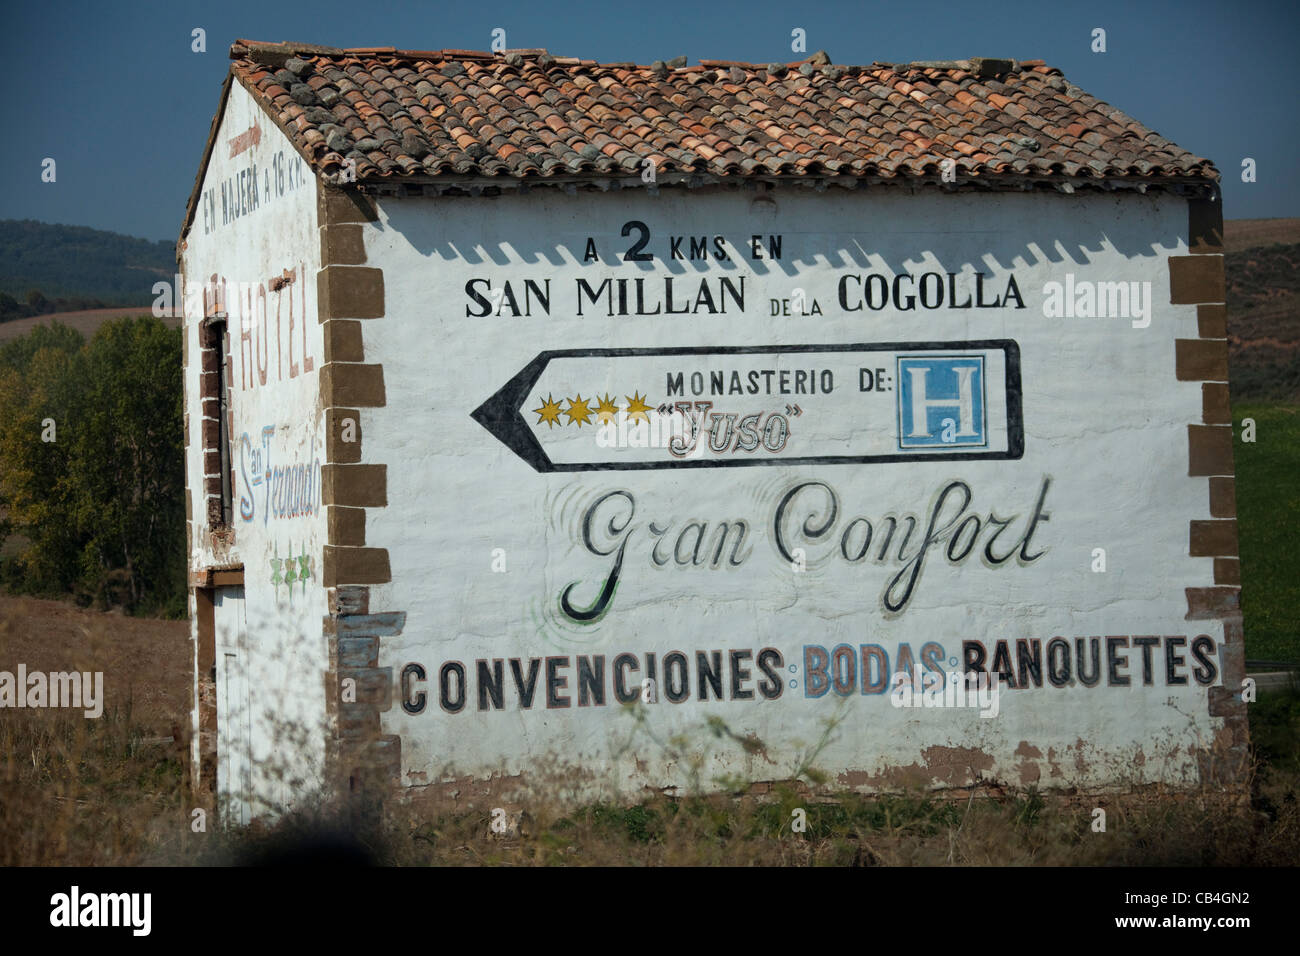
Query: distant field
{"x": 1264, "y": 322}
{"x": 144, "y": 660}
{"x": 84, "y": 322}
{"x": 1268, "y": 515}
{"x": 1239, "y": 234}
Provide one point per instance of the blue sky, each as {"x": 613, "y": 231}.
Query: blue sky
{"x": 113, "y": 92}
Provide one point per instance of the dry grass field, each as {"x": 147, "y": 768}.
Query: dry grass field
{"x": 86, "y": 322}
{"x": 111, "y": 791}
{"x": 1239, "y": 234}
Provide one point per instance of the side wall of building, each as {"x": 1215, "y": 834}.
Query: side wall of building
{"x": 254, "y": 248}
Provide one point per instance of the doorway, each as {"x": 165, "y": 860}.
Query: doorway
{"x": 234, "y": 705}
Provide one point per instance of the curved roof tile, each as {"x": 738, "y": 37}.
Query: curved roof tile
{"x": 525, "y": 114}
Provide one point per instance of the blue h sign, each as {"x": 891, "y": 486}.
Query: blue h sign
{"x": 941, "y": 401}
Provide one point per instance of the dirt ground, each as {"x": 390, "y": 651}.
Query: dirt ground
{"x": 145, "y": 662}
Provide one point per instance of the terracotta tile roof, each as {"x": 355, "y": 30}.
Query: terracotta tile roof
{"x": 525, "y": 116}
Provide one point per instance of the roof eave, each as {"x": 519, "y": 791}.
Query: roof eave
{"x": 489, "y": 185}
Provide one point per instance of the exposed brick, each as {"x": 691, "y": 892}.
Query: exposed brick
{"x": 1194, "y": 279}
{"x": 1233, "y": 659}
{"x": 1225, "y": 702}
{"x": 1213, "y": 538}
{"x": 212, "y": 462}
{"x": 1234, "y": 632}
{"x": 1215, "y": 406}
{"x": 379, "y": 763}
{"x": 1223, "y": 498}
{"x": 208, "y": 384}
{"x": 214, "y": 512}
{"x": 1204, "y": 226}
{"x": 1227, "y": 571}
{"x": 228, "y": 578}
{"x": 342, "y": 245}
{"x": 346, "y": 383}
{"x": 343, "y": 341}
{"x": 354, "y": 566}
{"x": 349, "y": 600}
{"x": 335, "y": 205}
{"x": 211, "y": 434}
{"x": 210, "y": 332}
{"x": 1235, "y": 736}
{"x": 1198, "y": 360}
{"x": 358, "y": 721}
{"x": 355, "y": 651}
{"x": 337, "y": 450}
{"x": 374, "y": 685}
{"x": 211, "y": 407}
{"x": 347, "y": 526}
{"x": 1209, "y": 450}
{"x": 355, "y": 486}
{"x": 1208, "y": 603}
{"x": 209, "y": 361}
{"x": 350, "y": 292}
{"x": 1212, "y": 321}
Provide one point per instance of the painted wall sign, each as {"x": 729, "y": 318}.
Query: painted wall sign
{"x": 767, "y": 456}
{"x": 851, "y": 404}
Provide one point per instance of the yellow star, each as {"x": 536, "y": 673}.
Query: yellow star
{"x": 550, "y": 412}
{"x": 578, "y": 411}
{"x": 607, "y": 410}
{"x": 637, "y": 408}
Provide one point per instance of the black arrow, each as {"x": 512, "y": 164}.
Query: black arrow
{"x": 502, "y": 414}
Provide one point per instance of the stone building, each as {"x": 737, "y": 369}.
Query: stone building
{"x": 552, "y": 423}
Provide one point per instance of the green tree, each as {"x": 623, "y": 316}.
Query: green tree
{"x": 105, "y": 499}
{"x": 17, "y": 354}
{"x": 34, "y": 373}
{"x": 128, "y": 491}
{"x": 36, "y": 299}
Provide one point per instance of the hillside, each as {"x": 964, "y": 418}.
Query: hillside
{"x": 75, "y": 262}
{"x": 1241, "y": 234}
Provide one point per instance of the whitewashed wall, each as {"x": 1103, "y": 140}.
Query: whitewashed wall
{"x": 278, "y": 435}
{"x": 1105, "y": 429}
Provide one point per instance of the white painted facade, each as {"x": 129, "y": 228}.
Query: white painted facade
{"x": 271, "y": 656}
{"x": 1089, "y": 452}
{"x": 1105, "y": 423}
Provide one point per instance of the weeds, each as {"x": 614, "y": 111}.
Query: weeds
{"x": 98, "y": 792}
{"x": 112, "y": 791}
